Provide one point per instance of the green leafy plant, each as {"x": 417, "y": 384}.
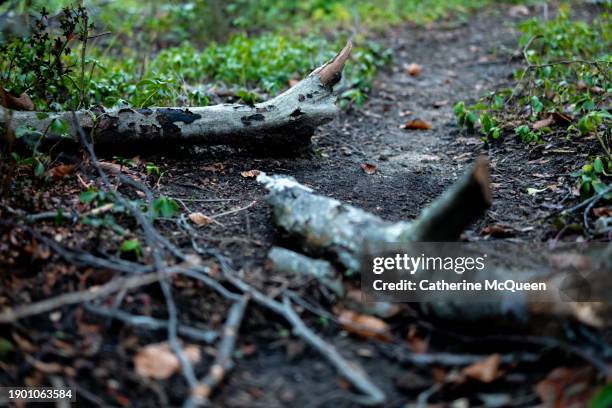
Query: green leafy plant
{"x": 40, "y": 65}
{"x": 131, "y": 246}
{"x": 152, "y": 169}
{"x": 527, "y": 135}
{"x": 165, "y": 207}
{"x": 464, "y": 116}
{"x": 590, "y": 177}
{"x": 603, "y": 398}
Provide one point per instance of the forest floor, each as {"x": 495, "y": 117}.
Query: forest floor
{"x": 459, "y": 61}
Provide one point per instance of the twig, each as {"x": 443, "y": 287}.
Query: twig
{"x": 402, "y": 355}
{"x": 150, "y": 323}
{"x": 352, "y": 372}
{"x": 14, "y": 314}
{"x": 580, "y": 205}
{"x": 590, "y": 206}
{"x": 349, "y": 370}
{"x": 246, "y": 207}
{"x": 223, "y": 359}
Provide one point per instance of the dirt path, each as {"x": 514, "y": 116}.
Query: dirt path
{"x": 413, "y": 167}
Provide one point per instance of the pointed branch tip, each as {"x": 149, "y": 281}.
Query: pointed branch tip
{"x": 331, "y": 72}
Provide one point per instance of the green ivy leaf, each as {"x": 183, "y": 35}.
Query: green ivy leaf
{"x": 598, "y": 165}
{"x": 131, "y": 245}
{"x": 166, "y": 207}
{"x": 603, "y": 399}
{"x": 88, "y": 196}
{"x": 39, "y": 169}
{"x": 59, "y": 127}
{"x": 536, "y": 104}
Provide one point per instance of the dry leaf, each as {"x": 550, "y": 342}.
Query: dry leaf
{"x": 293, "y": 82}
{"x": 485, "y": 371}
{"x": 543, "y": 123}
{"x": 414, "y": 69}
{"x": 369, "y": 168}
{"x": 215, "y": 167}
{"x": 61, "y": 171}
{"x": 565, "y": 387}
{"x": 417, "y": 124}
{"x": 417, "y": 343}
{"x": 562, "y": 118}
{"x": 111, "y": 167}
{"x": 602, "y": 211}
{"x": 21, "y": 102}
{"x": 200, "y": 219}
{"x": 497, "y": 231}
{"x": 159, "y": 362}
{"x": 519, "y": 10}
{"x": 365, "y": 326}
{"x": 250, "y": 173}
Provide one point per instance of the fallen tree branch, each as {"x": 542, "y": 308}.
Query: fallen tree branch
{"x": 115, "y": 285}
{"x": 350, "y": 371}
{"x": 151, "y": 323}
{"x": 223, "y": 359}
{"x": 325, "y": 225}
{"x": 289, "y": 119}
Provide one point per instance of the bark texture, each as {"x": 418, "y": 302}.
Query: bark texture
{"x": 288, "y": 119}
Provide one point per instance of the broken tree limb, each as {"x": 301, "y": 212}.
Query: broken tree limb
{"x": 327, "y": 226}
{"x": 288, "y": 119}
{"x": 290, "y": 262}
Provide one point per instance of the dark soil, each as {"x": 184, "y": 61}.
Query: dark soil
{"x": 459, "y": 62}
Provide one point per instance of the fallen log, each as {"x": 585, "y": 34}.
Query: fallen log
{"x": 287, "y": 120}
{"x": 327, "y": 226}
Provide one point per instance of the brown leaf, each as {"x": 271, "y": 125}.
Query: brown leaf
{"x": 485, "y": 371}
{"x": 417, "y": 124}
{"x": 61, "y": 171}
{"x": 293, "y": 82}
{"x": 565, "y": 387}
{"x": 562, "y": 118}
{"x": 159, "y": 362}
{"x": 543, "y": 123}
{"x": 365, "y": 326}
{"x": 417, "y": 343}
{"x": 602, "y": 211}
{"x": 414, "y": 69}
{"x": 215, "y": 167}
{"x": 200, "y": 219}
{"x": 497, "y": 231}
{"x": 111, "y": 167}
{"x": 369, "y": 168}
{"x": 21, "y": 102}
{"x": 250, "y": 173}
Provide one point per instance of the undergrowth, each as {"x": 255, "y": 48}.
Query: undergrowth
{"x": 155, "y": 53}
{"x": 562, "y": 91}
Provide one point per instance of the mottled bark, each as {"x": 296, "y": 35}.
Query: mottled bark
{"x": 327, "y": 226}
{"x": 289, "y": 119}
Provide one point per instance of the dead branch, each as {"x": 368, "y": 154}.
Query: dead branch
{"x": 289, "y": 262}
{"x": 325, "y": 225}
{"x": 223, "y": 359}
{"x": 115, "y": 285}
{"x": 150, "y": 323}
{"x": 349, "y": 370}
{"x": 289, "y": 119}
